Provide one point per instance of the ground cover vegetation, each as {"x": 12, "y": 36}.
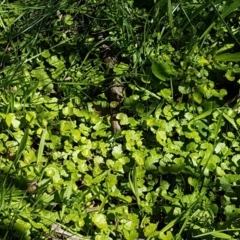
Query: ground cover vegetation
{"x": 158, "y": 157}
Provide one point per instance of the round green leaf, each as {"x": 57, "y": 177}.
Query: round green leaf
{"x": 100, "y": 221}
{"x": 162, "y": 70}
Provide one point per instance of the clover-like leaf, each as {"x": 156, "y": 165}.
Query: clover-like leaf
{"x": 202, "y": 61}
{"x": 11, "y": 120}
{"x": 123, "y": 118}
{"x": 230, "y": 75}
{"x": 184, "y": 89}
{"x": 67, "y": 111}
{"x": 100, "y": 221}
{"x": 117, "y": 151}
{"x": 162, "y": 70}
{"x": 120, "y": 68}
{"x": 58, "y": 64}
{"x": 42, "y": 76}
{"x": 197, "y": 97}
{"x": 138, "y": 155}
{"x": 68, "y": 19}
{"x": 166, "y": 94}
{"x": 150, "y": 230}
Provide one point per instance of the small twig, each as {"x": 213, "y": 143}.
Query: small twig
{"x": 93, "y": 209}
{"x": 63, "y": 234}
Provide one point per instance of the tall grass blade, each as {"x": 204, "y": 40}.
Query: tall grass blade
{"x": 170, "y": 16}
{"x": 41, "y": 146}
{"x": 226, "y": 11}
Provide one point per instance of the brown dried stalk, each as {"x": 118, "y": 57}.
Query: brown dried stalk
{"x": 116, "y": 89}
{"x": 63, "y": 234}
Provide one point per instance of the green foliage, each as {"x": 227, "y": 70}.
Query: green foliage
{"x": 173, "y": 170}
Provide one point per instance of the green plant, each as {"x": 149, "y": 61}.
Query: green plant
{"x": 172, "y": 172}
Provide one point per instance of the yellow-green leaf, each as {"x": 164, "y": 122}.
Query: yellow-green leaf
{"x": 228, "y": 57}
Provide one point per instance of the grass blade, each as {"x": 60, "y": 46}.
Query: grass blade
{"x": 170, "y": 16}
{"x": 226, "y": 11}
{"x": 41, "y": 146}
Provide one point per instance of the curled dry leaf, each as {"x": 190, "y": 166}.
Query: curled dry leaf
{"x": 116, "y": 95}
{"x": 32, "y": 186}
